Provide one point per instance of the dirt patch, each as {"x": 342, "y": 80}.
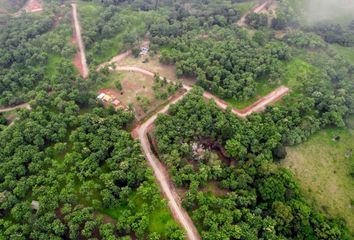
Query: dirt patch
{"x": 83, "y": 68}
{"x": 153, "y": 65}
{"x": 268, "y": 7}
{"x": 77, "y": 58}
{"x": 137, "y": 92}
{"x": 33, "y": 6}
{"x": 78, "y": 63}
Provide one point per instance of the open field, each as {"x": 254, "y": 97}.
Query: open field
{"x": 323, "y": 166}
{"x": 168, "y": 71}
{"x": 33, "y": 6}
{"x": 296, "y": 71}
{"x": 137, "y": 91}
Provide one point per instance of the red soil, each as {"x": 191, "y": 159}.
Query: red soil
{"x": 34, "y": 6}
{"x": 77, "y": 58}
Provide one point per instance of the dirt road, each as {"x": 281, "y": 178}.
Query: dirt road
{"x": 80, "y": 44}
{"x": 256, "y": 9}
{"x": 114, "y": 60}
{"x": 161, "y": 175}
{"x": 159, "y": 169}
{"x": 258, "y": 106}
{"x": 8, "y": 109}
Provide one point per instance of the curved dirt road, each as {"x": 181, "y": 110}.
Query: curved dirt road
{"x": 8, "y": 109}
{"x": 161, "y": 175}
{"x": 79, "y": 41}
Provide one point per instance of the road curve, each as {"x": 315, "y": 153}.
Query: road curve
{"x": 160, "y": 172}
{"x": 79, "y": 41}
{"x": 258, "y": 106}
{"x": 161, "y": 175}
{"x": 8, "y": 109}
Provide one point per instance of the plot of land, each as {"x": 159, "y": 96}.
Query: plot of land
{"x": 323, "y": 166}
{"x": 137, "y": 92}
{"x": 153, "y": 65}
{"x": 34, "y": 6}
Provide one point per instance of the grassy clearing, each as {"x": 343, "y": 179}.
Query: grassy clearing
{"x": 53, "y": 62}
{"x": 323, "y": 166}
{"x": 246, "y": 6}
{"x": 160, "y": 219}
{"x": 263, "y": 87}
{"x": 296, "y": 71}
{"x": 345, "y": 52}
{"x": 153, "y": 65}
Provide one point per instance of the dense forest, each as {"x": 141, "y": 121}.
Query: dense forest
{"x": 78, "y": 166}
{"x": 26, "y": 45}
{"x": 258, "y": 200}
{"x": 70, "y": 169}
{"x": 224, "y": 64}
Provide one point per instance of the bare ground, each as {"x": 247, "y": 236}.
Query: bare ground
{"x": 80, "y": 57}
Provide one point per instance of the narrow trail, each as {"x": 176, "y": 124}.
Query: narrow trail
{"x": 81, "y": 48}
{"x": 8, "y": 109}
{"x": 166, "y": 186}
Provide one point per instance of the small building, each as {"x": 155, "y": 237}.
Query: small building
{"x": 101, "y": 96}
{"x": 35, "y": 205}
{"x": 107, "y": 98}
{"x": 116, "y": 103}
{"x": 144, "y": 50}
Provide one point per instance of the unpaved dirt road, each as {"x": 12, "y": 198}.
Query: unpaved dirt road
{"x": 256, "y": 9}
{"x": 8, "y": 109}
{"x": 161, "y": 175}
{"x": 258, "y": 106}
{"x": 160, "y": 172}
{"x": 80, "y": 44}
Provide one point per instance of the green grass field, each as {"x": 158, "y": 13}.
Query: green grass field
{"x": 296, "y": 71}
{"x": 160, "y": 219}
{"x": 323, "y": 166}
{"x": 346, "y": 52}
